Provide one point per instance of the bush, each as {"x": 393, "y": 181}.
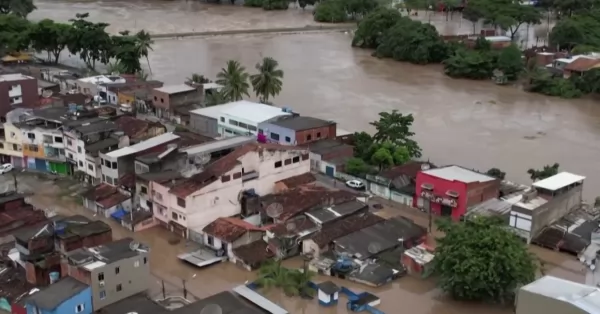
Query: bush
{"x": 331, "y": 11}
{"x": 510, "y": 62}
{"x": 412, "y": 41}
{"x": 275, "y": 4}
{"x": 253, "y": 3}
{"x": 373, "y": 26}
{"x": 544, "y": 82}
{"x": 471, "y": 64}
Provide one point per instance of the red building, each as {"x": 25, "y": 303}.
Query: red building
{"x": 450, "y": 190}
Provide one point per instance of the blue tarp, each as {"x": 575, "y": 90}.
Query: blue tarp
{"x": 118, "y": 214}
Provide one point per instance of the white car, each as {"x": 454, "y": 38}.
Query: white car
{"x": 6, "y": 168}
{"x": 355, "y": 184}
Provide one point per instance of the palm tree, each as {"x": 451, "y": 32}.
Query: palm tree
{"x": 268, "y": 81}
{"x": 144, "y": 46}
{"x": 292, "y": 281}
{"x": 234, "y": 80}
{"x": 198, "y": 79}
{"x": 215, "y": 98}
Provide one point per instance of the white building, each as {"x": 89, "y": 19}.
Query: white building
{"x": 195, "y": 202}
{"x": 551, "y": 295}
{"x": 243, "y": 117}
{"x": 95, "y": 85}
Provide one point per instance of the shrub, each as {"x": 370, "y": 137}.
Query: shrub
{"x": 275, "y": 4}
{"x": 331, "y": 11}
{"x": 253, "y": 3}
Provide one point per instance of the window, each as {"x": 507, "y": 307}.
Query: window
{"x": 80, "y": 164}
{"x": 145, "y": 260}
{"x": 288, "y": 139}
{"x": 69, "y": 142}
{"x": 237, "y": 175}
{"x": 117, "y": 270}
{"x": 144, "y": 190}
{"x": 275, "y": 136}
{"x": 252, "y": 128}
{"x": 296, "y": 159}
{"x": 102, "y": 295}
{"x": 174, "y": 216}
{"x": 90, "y": 167}
{"x": 114, "y": 165}
{"x": 79, "y": 308}
{"x": 2, "y": 145}
{"x": 15, "y": 147}
{"x": 58, "y": 139}
{"x": 158, "y": 196}
{"x": 103, "y": 178}
{"x": 162, "y": 100}
{"x": 318, "y": 134}
{"x": 33, "y": 148}
{"x": 31, "y": 136}
{"x": 79, "y": 150}
{"x": 260, "y": 131}
{"x": 277, "y": 164}
{"x": 222, "y": 119}
{"x": 119, "y": 287}
{"x": 309, "y": 137}
{"x": 210, "y": 240}
{"x": 304, "y": 156}
{"x": 225, "y": 178}
{"x": 242, "y": 125}
{"x": 233, "y": 122}
{"x": 155, "y": 98}
{"x": 287, "y": 161}
{"x": 180, "y": 202}
{"x": 101, "y": 276}
{"x": 136, "y": 264}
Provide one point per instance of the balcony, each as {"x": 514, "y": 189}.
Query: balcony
{"x": 248, "y": 176}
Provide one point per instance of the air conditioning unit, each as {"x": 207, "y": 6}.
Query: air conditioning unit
{"x": 101, "y": 283}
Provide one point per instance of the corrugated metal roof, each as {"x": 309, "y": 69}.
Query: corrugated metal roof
{"x": 147, "y": 144}
{"x": 259, "y": 300}
{"x": 456, "y": 173}
{"x": 558, "y": 181}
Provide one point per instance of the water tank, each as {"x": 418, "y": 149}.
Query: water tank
{"x": 59, "y": 228}
{"x": 54, "y": 276}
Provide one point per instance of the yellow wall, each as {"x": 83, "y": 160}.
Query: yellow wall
{"x": 125, "y": 99}
{"x": 27, "y": 151}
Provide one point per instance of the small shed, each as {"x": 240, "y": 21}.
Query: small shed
{"x": 418, "y": 260}
{"x": 328, "y": 293}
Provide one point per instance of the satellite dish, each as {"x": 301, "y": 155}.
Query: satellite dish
{"x": 134, "y": 245}
{"x": 374, "y": 247}
{"x": 212, "y": 309}
{"x": 47, "y": 93}
{"x": 201, "y": 159}
{"x": 274, "y": 210}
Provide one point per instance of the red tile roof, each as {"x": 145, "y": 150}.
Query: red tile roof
{"x": 128, "y": 180}
{"x": 135, "y": 128}
{"x": 301, "y": 199}
{"x": 105, "y": 195}
{"x": 292, "y": 226}
{"x": 344, "y": 227}
{"x": 253, "y": 254}
{"x": 582, "y": 64}
{"x": 229, "y": 229}
{"x": 409, "y": 169}
{"x": 216, "y": 169}
{"x": 299, "y": 180}
{"x": 14, "y": 219}
{"x": 187, "y": 139}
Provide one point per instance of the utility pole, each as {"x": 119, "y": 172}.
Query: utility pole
{"x": 163, "y": 290}
{"x": 15, "y": 181}
{"x": 184, "y": 289}
{"x": 430, "y": 219}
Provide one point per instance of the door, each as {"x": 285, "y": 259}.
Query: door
{"x": 446, "y": 210}
{"x": 40, "y": 165}
{"x": 329, "y": 171}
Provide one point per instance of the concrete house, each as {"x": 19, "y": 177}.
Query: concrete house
{"x": 11, "y": 149}
{"x": 17, "y": 90}
{"x": 167, "y": 98}
{"x": 244, "y": 117}
{"x": 551, "y": 295}
{"x": 213, "y": 193}
{"x": 205, "y": 121}
{"x": 67, "y": 296}
{"x": 298, "y": 130}
{"x": 96, "y": 85}
{"x": 114, "y": 271}
{"x": 226, "y": 233}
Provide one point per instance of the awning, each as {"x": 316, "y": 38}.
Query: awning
{"x": 201, "y": 258}
{"x": 118, "y": 214}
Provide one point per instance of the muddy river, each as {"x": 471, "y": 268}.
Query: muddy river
{"x": 475, "y": 124}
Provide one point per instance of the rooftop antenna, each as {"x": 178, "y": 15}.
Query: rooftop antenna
{"x": 212, "y": 309}
{"x": 274, "y": 210}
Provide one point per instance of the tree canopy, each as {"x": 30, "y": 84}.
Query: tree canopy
{"x": 395, "y": 128}
{"x": 496, "y": 173}
{"x": 371, "y": 28}
{"x": 234, "y": 79}
{"x": 20, "y": 8}
{"x": 482, "y": 260}
{"x": 268, "y": 81}
{"x": 546, "y": 172}
{"x": 579, "y": 30}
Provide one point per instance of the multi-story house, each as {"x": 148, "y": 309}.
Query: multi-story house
{"x": 43, "y": 144}
{"x": 67, "y": 296}
{"x": 119, "y": 163}
{"x": 17, "y": 90}
{"x": 195, "y": 202}
{"x": 112, "y": 90}
{"x": 138, "y": 130}
{"x": 11, "y": 140}
{"x": 97, "y": 85}
{"x": 114, "y": 271}
{"x": 245, "y": 117}
{"x": 167, "y": 98}
{"x": 297, "y": 130}
{"x": 85, "y": 139}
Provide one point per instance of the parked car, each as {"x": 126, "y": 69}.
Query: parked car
{"x": 355, "y": 184}
{"x": 6, "y": 168}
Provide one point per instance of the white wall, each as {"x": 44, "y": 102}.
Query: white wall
{"x": 80, "y": 157}
{"x": 220, "y": 199}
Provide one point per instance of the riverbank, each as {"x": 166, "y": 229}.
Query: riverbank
{"x": 281, "y": 30}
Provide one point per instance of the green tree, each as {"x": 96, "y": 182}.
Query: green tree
{"x": 395, "y": 128}
{"x": 215, "y": 98}
{"x": 382, "y": 158}
{"x": 371, "y": 28}
{"x": 234, "y": 80}
{"x": 268, "y": 81}
{"x": 546, "y": 172}
{"x": 253, "y": 3}
{"x": 472, "y": 14}
{"x": 571, "y": 7}
{"x": 304, "y": 3}
{"x": 14, "y": 33}
{"x": 356, "y": 167}
{"x": 126, "y": 52}
{"x": 197, "y": 79}
{"x": 482, "y": 260}
{"x": 362, "y": 142}
{"x": 292, "y": 281}
{"x": 46, "y": 35}
{"x": 330, "y": 11}
{"x": 90, "y": 41}
{"x": 578, "y": 30}
{"x": 144, "y": 46}
{"x": 20, "y": 8}
{"x": 471, "y": 64}
{"x": 360, "y": 8}
{"x": 543, "y": 82}
{"x": 275, "y": 4}
{"x": 510, "y": 62}
{"x": 509, "y": 15}
{"x": 496, "y": 173}
{"x": 401, "y": 155}
{"x": 412, "y": 41}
